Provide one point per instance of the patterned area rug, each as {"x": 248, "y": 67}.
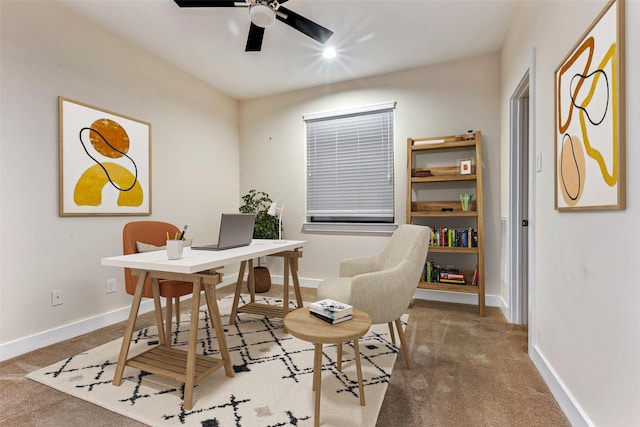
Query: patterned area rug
{"x": 271, "y": 387}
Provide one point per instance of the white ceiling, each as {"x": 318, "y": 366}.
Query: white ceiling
{"x": 371, "y": 37}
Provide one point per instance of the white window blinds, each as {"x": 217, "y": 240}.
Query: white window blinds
{"x": 350, "y": 165}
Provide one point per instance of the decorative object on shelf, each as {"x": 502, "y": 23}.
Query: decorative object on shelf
{"x": 470, "y": 135}
{"x": 590, "y": 117}
{"x": 265, "y": 227}
{"x": 465, "y": 200}
{"x": 465, "y": 167}
{"x": 102, "y": 152}
{"x": 275, "y": 210}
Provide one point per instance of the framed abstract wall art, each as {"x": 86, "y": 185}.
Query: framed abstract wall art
{"x": 104, "y": 162}
{"x": 590, "y": 117}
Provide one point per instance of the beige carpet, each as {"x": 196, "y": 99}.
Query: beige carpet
{"x": 467, "y": 371}
{"x": 271, "y": 387}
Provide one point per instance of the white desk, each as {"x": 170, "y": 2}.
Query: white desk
{"x": 188, "y": 367}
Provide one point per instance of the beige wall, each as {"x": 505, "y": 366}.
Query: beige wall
{"x": 49, "y": 51}
{"x": 584, "y": 329}
{"x": 584, "y": 336}
{"x": 443, "y": 99}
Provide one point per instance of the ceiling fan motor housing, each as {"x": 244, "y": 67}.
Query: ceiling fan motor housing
{"x": 263, "y": 13}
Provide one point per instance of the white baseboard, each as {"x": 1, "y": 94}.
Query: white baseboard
{"x": 72, "y": 330}
{"x": 457, "y": 297}
{"x": 574, "y": 413}
{"x": 65, "y": 332}
{"x": 52, "y": 336}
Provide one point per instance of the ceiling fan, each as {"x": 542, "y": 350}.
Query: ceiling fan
{"x": 263, "y": 13}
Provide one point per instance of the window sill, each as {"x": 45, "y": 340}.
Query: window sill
{"x": 347, "y": 228}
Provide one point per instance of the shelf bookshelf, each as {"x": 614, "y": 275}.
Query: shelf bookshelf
{"x": 433, "y": 174}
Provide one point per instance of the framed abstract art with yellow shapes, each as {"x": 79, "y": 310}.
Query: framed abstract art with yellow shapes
{"x": 104, "y": 162}
{"x": 590, "y": 117}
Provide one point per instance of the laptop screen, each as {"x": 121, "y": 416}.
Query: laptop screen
{"x": 235, "y": 230}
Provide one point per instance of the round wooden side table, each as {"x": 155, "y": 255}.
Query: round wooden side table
{"x": 301, "y": 324}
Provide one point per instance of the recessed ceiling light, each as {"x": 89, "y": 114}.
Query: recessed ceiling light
{"x": 329, "y": 53}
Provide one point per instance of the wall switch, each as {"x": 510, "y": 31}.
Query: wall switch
{"x": 539, "y": 162}
{"x": 111, "y": 286}
{"x": 56, "y": 298}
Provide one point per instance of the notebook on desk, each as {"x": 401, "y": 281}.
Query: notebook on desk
{"x": 236, "y": 230}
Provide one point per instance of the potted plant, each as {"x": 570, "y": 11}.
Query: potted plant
{"x": 266, "y": 227}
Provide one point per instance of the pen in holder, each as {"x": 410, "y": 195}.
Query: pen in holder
{"x": 174, "y": 249}
{"x": 465, "y": 200}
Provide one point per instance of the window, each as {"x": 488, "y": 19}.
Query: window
{"x": 350, "y": 165}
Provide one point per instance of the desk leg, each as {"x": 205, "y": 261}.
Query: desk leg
{"x": 236, "y": 298}
{"x": 251, "y": 282}
{"x": 317, "y": 379}
{"x": 216, "y": 321}
{"x": 128, "y": 332}
{"x": 356, "y": 348}
{"x": 296, "y": 283}
{"x": 191, "y": 352}
{"x": 163, "y": 331}
{"x": 285, "y": 285}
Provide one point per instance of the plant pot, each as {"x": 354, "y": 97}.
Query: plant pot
{"x": 261, "y": 279}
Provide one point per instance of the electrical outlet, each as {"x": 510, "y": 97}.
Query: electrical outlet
{"x": 111, "y": 286}
{"x": 56, "y": 298}
{"x": 263, "y": 260}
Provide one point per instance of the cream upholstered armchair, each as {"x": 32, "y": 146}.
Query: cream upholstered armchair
{"x": 383, "y": 285}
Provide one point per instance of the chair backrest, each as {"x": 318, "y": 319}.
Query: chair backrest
{"x": 403, "y": 245}
{"x": 406, "y": 253}
{"x": 150, "y": 232}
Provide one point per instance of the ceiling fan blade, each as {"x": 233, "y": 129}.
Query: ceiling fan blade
{"x": 254, "y": 39}
{"x": 304, "y": 25}
{"x": 211, "y": 3}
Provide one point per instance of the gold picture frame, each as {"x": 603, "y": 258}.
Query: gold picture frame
{"x": 104, "y": 162}
{"x": 590, "y": 117}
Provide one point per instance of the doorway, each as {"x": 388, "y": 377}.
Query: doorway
{"x": 519, "y": 195}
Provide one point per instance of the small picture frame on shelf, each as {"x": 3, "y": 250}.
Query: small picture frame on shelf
{"x": 465, "y": 167}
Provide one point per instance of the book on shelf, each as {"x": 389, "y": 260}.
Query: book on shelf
{"x": 433, "y": 273}
{"x": 330, "y": 309}
{"x": 451, "y": 276}
{"x": 455, "y": 282}
{"x": 445, "y": 275}
{"x": 474, "y": 281}
{"x": 330, "y": 320}
{"x": 454, "y": 238}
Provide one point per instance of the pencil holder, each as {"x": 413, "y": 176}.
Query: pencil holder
{"x": 174, "y": 249}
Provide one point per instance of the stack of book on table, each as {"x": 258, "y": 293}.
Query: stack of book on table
{"x": 331, "y": 311}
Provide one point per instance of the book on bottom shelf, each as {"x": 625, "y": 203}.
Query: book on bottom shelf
{"x": 332, "y": 321}
{"x": 474, "y": 281}
{"x": 331, "y": 309}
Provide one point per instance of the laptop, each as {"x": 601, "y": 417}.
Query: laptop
{"x": 236, "y": 230}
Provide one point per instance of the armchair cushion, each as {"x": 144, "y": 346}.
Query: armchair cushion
{"x": 338, "y": 287}
{"x": 353, "y": 266}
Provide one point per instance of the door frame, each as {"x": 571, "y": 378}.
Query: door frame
{"x": 521, "y": 251}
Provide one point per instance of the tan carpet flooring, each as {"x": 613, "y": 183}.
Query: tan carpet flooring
{"x": 467, "y": 371}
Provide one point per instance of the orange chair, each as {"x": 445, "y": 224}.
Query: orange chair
{"x": 154, "y": 233}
